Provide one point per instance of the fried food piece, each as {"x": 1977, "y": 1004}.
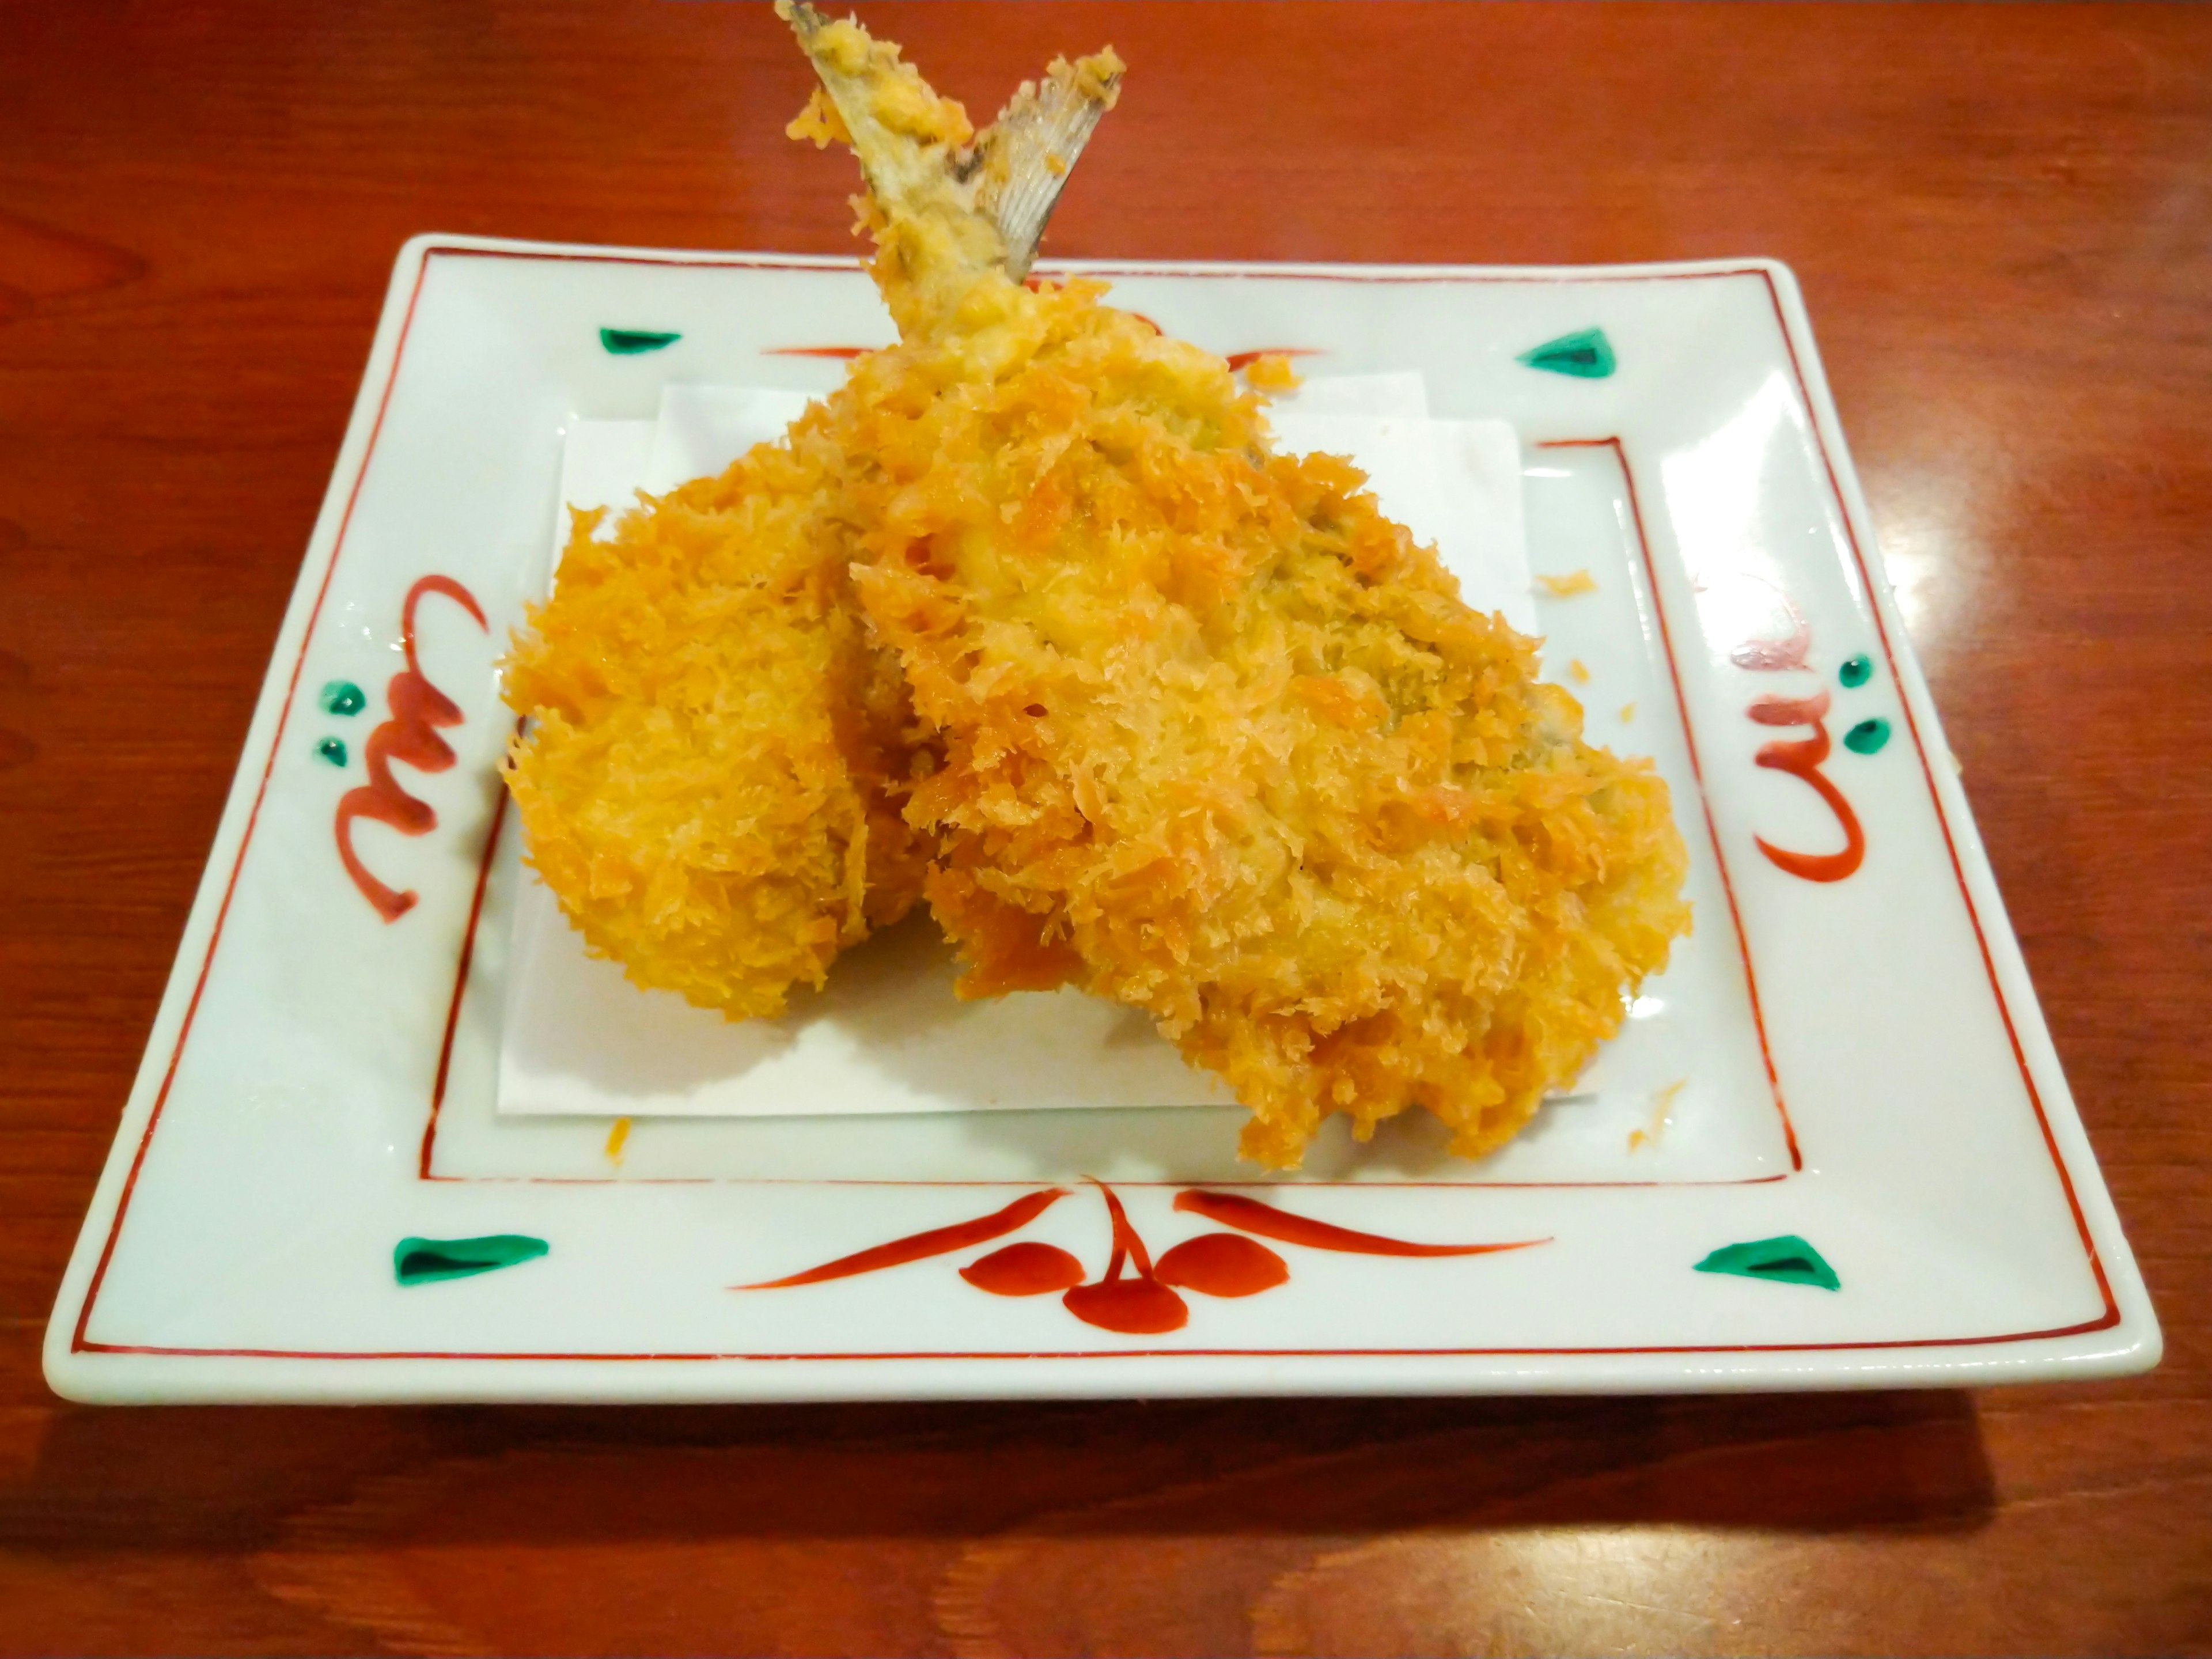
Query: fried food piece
{"x": 1221, "y": 741}
{"x": 717, "y": 758}
{"x": 718, "y": 755}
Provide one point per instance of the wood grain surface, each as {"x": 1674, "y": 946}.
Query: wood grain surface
{"x": 2002, "y": 219}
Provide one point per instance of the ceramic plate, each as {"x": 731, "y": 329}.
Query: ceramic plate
{"x": 1833, "y": 1147}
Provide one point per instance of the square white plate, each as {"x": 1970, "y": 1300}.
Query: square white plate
{"x": 1867, "y": 1096}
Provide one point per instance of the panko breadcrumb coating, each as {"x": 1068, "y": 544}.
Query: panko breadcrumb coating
{"x": 716, "y": 759}
{"x": 1220, "y": 740}
{"x": 1198, "y": 729}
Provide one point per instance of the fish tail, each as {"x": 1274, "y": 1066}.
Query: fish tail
{"x": 948, "y": 206}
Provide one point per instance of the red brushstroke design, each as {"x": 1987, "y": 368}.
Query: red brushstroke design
{"x": 1222, "y": 1264}
{"x": 1024, "y": 1269}
{"x": 418, "y": 710}
{"x": 1792, "y": 711}
{"x": 917, "y": 1246}
{"x": 1133, "y": 1296}
{"x": 844, "y": 353}
{"x": 1772, "y": 656}
{"x": 1135, "y": 1307}
{"x": 1802, "y": 759}
{"x": 1252, "y": 1217}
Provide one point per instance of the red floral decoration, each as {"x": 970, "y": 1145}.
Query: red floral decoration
{"x": 1135, "y": 1295}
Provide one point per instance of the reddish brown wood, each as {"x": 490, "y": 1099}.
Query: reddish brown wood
{"x": 2002, "y": 218}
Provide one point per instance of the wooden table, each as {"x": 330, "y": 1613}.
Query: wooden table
{"x": 2002, "y": 219}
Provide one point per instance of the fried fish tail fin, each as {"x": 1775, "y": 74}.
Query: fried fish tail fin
{"x": 950, "y": 206}
{"x": 1030, "y": 150}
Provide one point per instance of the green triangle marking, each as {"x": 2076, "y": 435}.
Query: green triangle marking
{"x": 343, "y": 697}
{"x": 628, "y": 341}
{"x": 421, "y": 1260}
{"x": 1868, "y": 737}
{"x": 1787, "y": 1258}
{"x": 1586, "y": 354}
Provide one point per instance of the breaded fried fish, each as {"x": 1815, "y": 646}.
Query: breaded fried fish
{"x": 717, "y": 755}
{"x": 1219, "y": 740}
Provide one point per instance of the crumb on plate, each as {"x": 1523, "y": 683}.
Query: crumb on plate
{"x": 1567, "y": 586}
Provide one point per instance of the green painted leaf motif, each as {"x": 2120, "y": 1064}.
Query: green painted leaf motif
{"x": 422, "y": 1260}
{"x": 343, "y": 697}
{"x": 629, "y": 342}
{"x": 1855, "y": 671}
{"x": 1586, "y": 355}
{"x": 1867, "y": 736}
{"x": 1787, "y": 1258}
{"x": 332, "y": 749}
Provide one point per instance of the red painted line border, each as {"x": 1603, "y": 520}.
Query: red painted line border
{"x": 829, "y": 262}
{"x": 1138, "y": 1186}
{"x": 1387, "y": 278}
{"x": 1153, "y": 1353}
{"x": 1697, "y": 772}
{"x": 260, "y": 792}
{"x": 2112, "y": 1315}
{"x": 1379, "y": 276}
{"x": 80, "y": 1343}
{"x": 461, "y": 980}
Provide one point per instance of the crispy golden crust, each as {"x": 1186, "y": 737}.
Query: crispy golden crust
{"x": 712, "y": 779}
{"x": 1221, "y": 741}
{"x": 1218, "y": 739}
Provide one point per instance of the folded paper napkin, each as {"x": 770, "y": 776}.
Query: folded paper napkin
{"x": 887, "y": 1035}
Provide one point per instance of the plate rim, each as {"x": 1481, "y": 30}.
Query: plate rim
{"x": 74, "y": 1363}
